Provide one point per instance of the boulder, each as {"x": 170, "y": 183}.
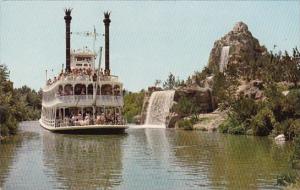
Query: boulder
{"x": 253, "y": 89}
{"x": 200, "y": 96}
{"x": 280, "y": 138}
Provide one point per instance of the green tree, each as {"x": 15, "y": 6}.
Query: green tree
{"x": 133, "y": 103}
{"x": 170, "y": 83}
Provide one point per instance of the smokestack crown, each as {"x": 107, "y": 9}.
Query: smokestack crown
{"x": 106, "y": 19}
{"x": 68, "y": 14}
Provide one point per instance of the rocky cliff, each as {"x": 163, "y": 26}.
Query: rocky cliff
{"x": 242, "y": 47}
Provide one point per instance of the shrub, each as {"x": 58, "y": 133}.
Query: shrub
{"x": 296, "y": 154}
{"x": 185, "y": 124}
{"x": 232, "y": 126}
{"x": 4, "y": 130}
{"x": 286, "y": 179}
{"x": 263, "y": 122}
{"x": 237, "y": 130}
{"x": 244, "y": 109}
{"x": 186, "y": 106}
{"x": 133, "y": 103}
{"x": 289, "y": 127}
{"x": 194, "y": 119}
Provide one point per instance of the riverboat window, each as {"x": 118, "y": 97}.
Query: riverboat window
{"x": 90, "y": 89}
{"x": 68, "y": 89}
{"x": 117, "y": 90}
{"x": 88, "y": 59}
{"x": 106, "y": 89}
{"x": 57, "y": 113}
{"x": 67, "y": 112}
{"x": 60, "y": 90}
{"x": 80, "y": 89}
{"x": 99, "y": 110}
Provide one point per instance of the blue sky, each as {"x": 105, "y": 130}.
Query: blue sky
{"x": 148, "y": 39}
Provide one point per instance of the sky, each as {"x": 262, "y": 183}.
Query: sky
{"x": 148, "y": 39}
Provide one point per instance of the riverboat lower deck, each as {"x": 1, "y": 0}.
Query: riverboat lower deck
{"x": 86, "y": 129}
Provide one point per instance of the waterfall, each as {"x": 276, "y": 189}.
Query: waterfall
{"x": 224, "y": 58}
{"x": 159, "y": 106}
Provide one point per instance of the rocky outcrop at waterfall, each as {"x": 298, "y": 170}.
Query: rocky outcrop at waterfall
{"x": 243, "y": 46}
{"x": 202, "y": 97}
{"x": 201, "y": 100}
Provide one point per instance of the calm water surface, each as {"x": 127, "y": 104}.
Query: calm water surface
{"x": 139, "y": 159}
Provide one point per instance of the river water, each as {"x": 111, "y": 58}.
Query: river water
{"x": 143, "y": 158}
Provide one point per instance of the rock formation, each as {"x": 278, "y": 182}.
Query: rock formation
{"x": 243, "y": 46}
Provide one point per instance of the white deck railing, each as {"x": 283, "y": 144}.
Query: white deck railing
{"x": 104, "y": 100}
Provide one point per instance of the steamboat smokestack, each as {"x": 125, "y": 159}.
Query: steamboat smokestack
{"x": 68, "y": 19}
{"x": 106, "y": 21}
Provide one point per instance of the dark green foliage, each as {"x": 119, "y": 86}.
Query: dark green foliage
{"x": 201, "y": 76}
{"x": 263, "y": 122}
{"x": 194, "y": 119}
{"x": 225, "y": 87}
{"x": 16, "y": 104}
{"x": 172, "y": 83}
{"x": 232, "y": 126}
{"x": 286, "y": 178}
{"x": 186, "y": 106}
{"x": 277, "y": 112}
{"x": 133, "y": 103}
{"x": 294, "y": 175}
{"x": 30, "y": 100}
{"x": 185, "y": 124}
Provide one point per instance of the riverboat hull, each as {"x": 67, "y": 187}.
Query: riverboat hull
{"x": 86, "y": 129}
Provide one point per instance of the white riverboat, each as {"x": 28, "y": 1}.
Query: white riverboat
{"x": 83, "y": 99}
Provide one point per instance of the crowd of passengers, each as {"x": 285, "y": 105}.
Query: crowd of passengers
{"x": 87, "y": 119}
{"x": 81, "y": 90}
{"x": 81, "y": 73}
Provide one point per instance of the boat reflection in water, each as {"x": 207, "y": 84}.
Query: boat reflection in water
{"x": 83, "y": 162}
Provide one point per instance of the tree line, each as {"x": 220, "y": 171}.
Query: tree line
{"x": 16, "y": 104}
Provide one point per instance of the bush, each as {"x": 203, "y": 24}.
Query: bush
{"x": 286, "y": 179}
{"x": 296, "y": 154}
{"x": 12, "y": 125}
{"x": 289, "y": 127}
{"x": 263, "y": 122}
{"x": 185, "y": 124}
{"x": 232, "y": 126}
{"x": 185, "y": 106}
{"x": 244, "y": 109}
{"x": 194, "y": 119}
{"x": 133, "y": 103}
{"x": 4, "y": 130}
{"x": 237, "y": 130}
